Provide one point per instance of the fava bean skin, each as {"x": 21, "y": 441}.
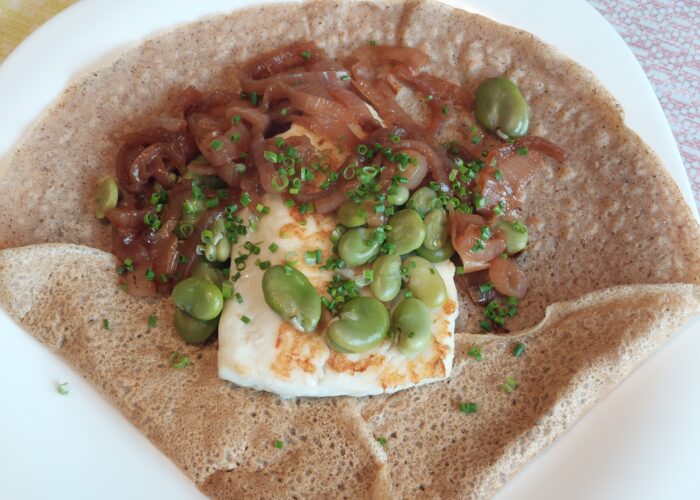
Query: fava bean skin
{"x": 436, "y": 230}
{"x": 363, "y": 324}
{"x": 422, "y": 200}
{"x": 387, "y": 277}
{"x": 407, "y": 231}
{"x": 397, "y": 195}
{"x": 193, "y": 330}
{"x": 516, "y": 235}
{"x": 501, "y": 108}
{"x": 351, "y": 214}
{"x": 199, "y": 298}
{"x": 425, "y": 282}
{"x": 412, "y": 326}
{"x": 203, "y": 270}
{"x": 291, "y": 295}
{"x": 440, "y": 255}
{"x": 356, "y": 246}
{"x": 106, "y": 197}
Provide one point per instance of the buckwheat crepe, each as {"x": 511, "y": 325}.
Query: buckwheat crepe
{"x": 614, "y": 263}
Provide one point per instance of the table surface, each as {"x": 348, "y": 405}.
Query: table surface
{"x": 664, "y": 35}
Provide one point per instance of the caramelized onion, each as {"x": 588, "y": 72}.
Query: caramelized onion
{"x": 465, "y": 233}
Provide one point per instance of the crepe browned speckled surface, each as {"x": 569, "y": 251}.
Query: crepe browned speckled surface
{"x": 609, "y": 217}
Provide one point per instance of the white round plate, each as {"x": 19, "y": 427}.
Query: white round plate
{"x": 641, "y": 442}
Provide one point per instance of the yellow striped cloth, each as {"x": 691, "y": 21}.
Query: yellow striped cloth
{"x": 18, "y": 18}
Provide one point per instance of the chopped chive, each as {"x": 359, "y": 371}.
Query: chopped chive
{"x": 265, "y": 264}
{"x": 485, "y": 287}
{"x": 239, "y": 297}
{"x": 273, "y": 247}
{"x": 475, "y": 352}
{"x": 216, "y": 144}
{"x": 306, "y": 54}
{"x": 279, "y": 444}
{"x": 485, "y": 325}
{"x": 245, "y": 199}
{"x": 254, "y": 98}
{"x": 381, "y": 440}
{"x": 459, "y": 270}
{"x": 62, "y": 389}
{"x": 372, "y": 43}
{"x": 509, "y": 385}
{"x": 498, "y": 175}
{"x": 236, "y": 119}
{"x": 212, "y": 202}
{"x": 245, "y": 319}
{"x": 235, "y": 137}
{"x": 226, "y": 290}
{"x": 519, "y": 349}
{"x": 152, "y": 320}
{"x": 178, "y": 360}
{"x": 284, "y": 111}
{"x": 345, "y": 78}
{"x": 522, "y": 151}
{"x": 105, "y": 324}
{"x": 445, "y": 110}
{"x": 150, "y": 275}
{"x": 468, "y": 407}
{"x": 271, "y": 156}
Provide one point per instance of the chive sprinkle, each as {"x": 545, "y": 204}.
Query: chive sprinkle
{"x": 236, "y": 119}
{"x": 152, "y": 320}
{"x": 105, "y": 324}
{"x": 509, "y": 385}
{"x": 468, "y": 407}
{"x": 519, "y": 349}
{"x": 445, "y": 110}
{"x": 279, "y": 444}
{"x": 372, "y": 43}
{"x": 306, "y": 54}
{"x": 245, "y": 319}
{"x": 522, "y": 151}
{"x": 150, "y": 275}
{"x": 216, "y": 144}
{"x": 62, "y": 389}
{"x": 475, "y": 352}
{"x": 226, "y": 290}
{"x": 245, "y": 199}
{"x": 273, "y": 247}
{"x": 178, "y": 360}
{"x": 381, "y": 440}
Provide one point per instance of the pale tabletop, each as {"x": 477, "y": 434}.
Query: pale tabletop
{"x": 663, "y": 34}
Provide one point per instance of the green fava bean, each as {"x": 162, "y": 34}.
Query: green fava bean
{"x": 422, "y": 200}
{"x": 397, "y": 195}
{"x": 412, "y": 326}
{"x": 207, "y": 272}
{"x": 199, "y": 298}
{"x": 351, "y": 214}
{"x": 407, "y": 231}
{"x": 436, "y": 231}
{"x": 193, "y": 330}
{"x": 425, "y": 282}
{"x": 363, "y": 324}
{"x": 387, "y": 277}
{"x": 440, "y": 255}
{"x": 291, "y": 295}
{"x": 501, "y": 107}
{"x": 106, "y": 197}
{"x": 516, "y": 235}
{"x": 357, "y": 246}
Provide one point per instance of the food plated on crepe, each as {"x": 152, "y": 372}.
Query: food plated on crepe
{"x": 326, "y": 215}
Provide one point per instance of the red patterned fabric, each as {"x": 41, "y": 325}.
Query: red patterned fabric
{"x": 665, "y": 38}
